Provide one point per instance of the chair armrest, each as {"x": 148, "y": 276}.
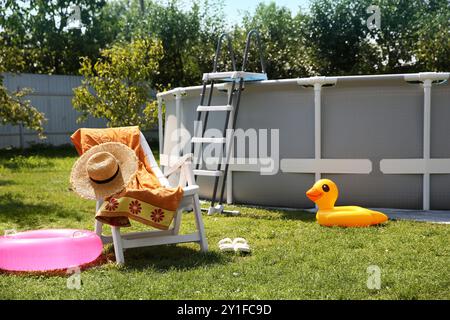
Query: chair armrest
{"x": 190, "y": 190}
{"x": 177, "y": 165}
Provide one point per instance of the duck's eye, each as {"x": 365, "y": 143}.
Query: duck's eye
{"x": 325, "y": 188}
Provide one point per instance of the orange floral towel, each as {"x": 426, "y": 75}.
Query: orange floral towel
{"x": 145, "y": 199}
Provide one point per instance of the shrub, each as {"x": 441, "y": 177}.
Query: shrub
{"x": 118, "y": 86}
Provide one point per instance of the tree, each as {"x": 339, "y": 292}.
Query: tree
{"x": 16, "y": 111}
{"x": 118, "y": 86}
{"x": 13, "y": 108}
{"x": 432, "y": 48}
{"x": 335, "y": 37}
{"x": 282, "y": 41}
{"x": 331, "y": 38}
{"x": 414, "y": 37}
{"x": 395, "y": 40}
{"x": 38, "y": 28}
{"x": 188, "y": 35}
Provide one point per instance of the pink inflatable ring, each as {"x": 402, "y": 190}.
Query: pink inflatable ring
{"x": 45, "y": 250}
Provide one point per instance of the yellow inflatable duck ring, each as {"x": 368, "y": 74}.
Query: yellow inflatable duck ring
{"x": 325, "y": 193}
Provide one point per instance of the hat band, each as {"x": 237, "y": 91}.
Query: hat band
{"x": 106, "y": 180}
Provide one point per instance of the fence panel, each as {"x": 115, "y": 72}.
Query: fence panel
{"x": 52, "y": 94}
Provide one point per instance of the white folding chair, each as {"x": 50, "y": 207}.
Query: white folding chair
{"x": 151, "y": 238}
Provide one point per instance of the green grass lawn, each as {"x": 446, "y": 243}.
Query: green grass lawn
{"x": 293, "y": 257}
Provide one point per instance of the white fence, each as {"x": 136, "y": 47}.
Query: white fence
{"x": 52, "y": 94}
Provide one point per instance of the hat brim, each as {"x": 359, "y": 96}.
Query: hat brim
{"x": 128, "y": 166}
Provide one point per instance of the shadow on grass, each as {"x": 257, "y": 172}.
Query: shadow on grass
{"x": 20, "y": 163}
{"x": 29, "y": 215}
{"x": 170, "y": 257}
{"x": 41, "y": 150}
{"x": 6, "y": 183}
{"x": 299, "y": 215}
{"x": 35, "y": 158}
{"x": 272, "y": 213}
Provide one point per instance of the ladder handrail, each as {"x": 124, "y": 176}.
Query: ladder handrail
{"x": 231, "y": 115}
{"x": 247, "y": 47}
{"x": 219, "y": 49}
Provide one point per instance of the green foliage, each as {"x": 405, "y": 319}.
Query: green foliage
{"x": 432, "y": 47}
{"x": 118, "y": 86}
{"x": 414, "y": 37}
{"x": 14, "y": 109}
{"x": 282, "y": 44}
{"x": 37, "y": 30}
{"x": 335, "y": 36}
{"x": 188, "y": 36}
{"x": 331, "y": 38}
{"x": 400, "y": 23}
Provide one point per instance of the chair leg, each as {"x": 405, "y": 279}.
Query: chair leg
{"x": 98, "y": 225}
{"x": 118, "y": 246}
{"x": 98, "y": 228}
{"x": 199, "y": 223}
{"x": 177, "y": 222}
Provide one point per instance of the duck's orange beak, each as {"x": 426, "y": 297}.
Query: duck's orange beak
{"x": 314, "y": 194}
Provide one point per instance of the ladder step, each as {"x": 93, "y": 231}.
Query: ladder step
{"x": 234, "y": 76}
{"x": 208, "y": 140}
{"x": 215, "y": 108}
{"x": 209, "y": 173}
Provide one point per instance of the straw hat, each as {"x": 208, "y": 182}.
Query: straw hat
{"x": 104, "y": 170}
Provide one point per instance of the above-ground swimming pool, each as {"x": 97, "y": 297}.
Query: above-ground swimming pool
{"x": 384, "y": 139}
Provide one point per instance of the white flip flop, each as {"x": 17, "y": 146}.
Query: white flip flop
{"x": 241, "y": 245}
{"x": 226, "y": 245}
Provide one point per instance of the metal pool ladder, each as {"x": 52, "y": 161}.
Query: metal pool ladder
{"x": 234, "y": 99}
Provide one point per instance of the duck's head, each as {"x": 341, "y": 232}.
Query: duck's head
{"x": 324, "y": 193}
